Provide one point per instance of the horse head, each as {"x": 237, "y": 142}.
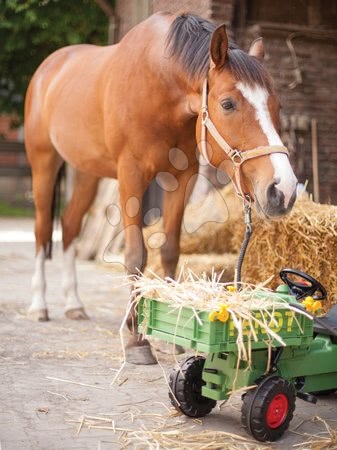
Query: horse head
{"x": 238, "y": 126}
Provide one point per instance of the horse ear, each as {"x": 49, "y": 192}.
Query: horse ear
{"x": 257, "y": 48}
{"x": 219, "y": 46}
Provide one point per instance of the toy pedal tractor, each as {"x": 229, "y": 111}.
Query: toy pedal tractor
{"x": 304, "y": 368}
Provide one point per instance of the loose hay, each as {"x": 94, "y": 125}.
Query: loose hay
{"x": 208, "y": 294}
{"x": 75, "y": 382}
{"x": 168, "y": 432}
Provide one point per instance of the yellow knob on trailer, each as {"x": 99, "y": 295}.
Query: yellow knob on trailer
{"x": 231, "y": 288}
{"x": 212, "y": 316}
{"x": 316, "y": 306}
{"x": 223, "y": 314}
{"x": 308, "y": 303}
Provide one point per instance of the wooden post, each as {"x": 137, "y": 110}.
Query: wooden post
{"x": 315, "y": 171}
{"x": 109, "y": 10}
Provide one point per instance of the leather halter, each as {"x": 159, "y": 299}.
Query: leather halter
{"x": 237, "y": 157}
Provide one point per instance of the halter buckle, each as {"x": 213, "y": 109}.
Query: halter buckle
{"x": 235, "y": 157}
{"x": 247, "y": 206}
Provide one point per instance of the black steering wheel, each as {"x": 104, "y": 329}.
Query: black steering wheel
{"x": 300, "y": 289}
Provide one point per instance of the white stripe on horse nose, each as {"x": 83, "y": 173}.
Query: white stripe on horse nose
{"x": 258, "y": 98}
{"x": 285, "y": 180}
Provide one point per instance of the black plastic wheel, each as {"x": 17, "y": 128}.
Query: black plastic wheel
{"x": 186, "y": 383}
{"x": 268, "y": 409}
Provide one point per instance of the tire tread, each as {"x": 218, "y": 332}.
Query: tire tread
{"x": 254, "y": 407}
{"x": 180, "y": 393}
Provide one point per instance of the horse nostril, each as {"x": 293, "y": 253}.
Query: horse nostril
{"x": 280, "y": 198}
{"x": 271, "y": 191}
{"x": 275, "y": 196}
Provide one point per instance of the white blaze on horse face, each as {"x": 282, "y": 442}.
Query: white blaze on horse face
{"x": 39, "y": 283}
{"x": 283, "y": 173}
{"x": 69, "y": 281}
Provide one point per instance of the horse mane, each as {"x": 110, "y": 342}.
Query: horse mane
{"x": 188, "y": 40}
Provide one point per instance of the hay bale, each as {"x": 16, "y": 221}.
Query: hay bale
{"x": 209, "y": 226}
{"x": 305, "y": 240}
{"x": 202, "y": 245}
{"x": 200, "y": 264}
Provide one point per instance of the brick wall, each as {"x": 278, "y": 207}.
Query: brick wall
{"x": 200, "y": 7}
{"x": 222, "y": 11}
{"x": 15, "y": 180}
{"x": 218, "y": 11}
{"x": 315, "y": 97}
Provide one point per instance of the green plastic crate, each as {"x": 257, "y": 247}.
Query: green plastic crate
{"x": 160, "y": 319}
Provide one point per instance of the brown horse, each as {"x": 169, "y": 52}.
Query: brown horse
{"x": 116, "y": 111}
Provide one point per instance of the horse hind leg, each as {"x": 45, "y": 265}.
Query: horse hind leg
{"x": 85, "y": 187}
{"x": 44, "y": 177}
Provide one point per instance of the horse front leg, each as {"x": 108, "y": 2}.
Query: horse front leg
{"x": 173, "y": 211}
{"x": 138, "y": 350}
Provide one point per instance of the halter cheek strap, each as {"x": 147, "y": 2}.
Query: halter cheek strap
{"x": 237, "y": 157}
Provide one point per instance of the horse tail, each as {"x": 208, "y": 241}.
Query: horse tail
{"x": 55, "y": 208}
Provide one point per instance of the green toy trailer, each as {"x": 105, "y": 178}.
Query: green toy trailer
{"x": 274, "y": 375}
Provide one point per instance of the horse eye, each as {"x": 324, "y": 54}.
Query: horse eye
{"x": 228, "y": 104}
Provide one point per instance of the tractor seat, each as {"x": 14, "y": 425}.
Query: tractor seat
{"x": 327, "y": 324}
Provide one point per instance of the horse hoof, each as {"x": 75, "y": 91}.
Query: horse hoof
{"x": 38, "y": 315}
{"x": 77, "y": 314}
{"x": 140, "y": 354}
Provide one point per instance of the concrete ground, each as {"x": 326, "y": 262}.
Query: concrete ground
{"x": 55, "y": 377}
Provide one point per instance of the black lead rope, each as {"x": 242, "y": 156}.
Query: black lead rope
{"x": 248, "y": 233}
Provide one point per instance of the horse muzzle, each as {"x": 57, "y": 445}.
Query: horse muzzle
{"x": 276, "y": 203}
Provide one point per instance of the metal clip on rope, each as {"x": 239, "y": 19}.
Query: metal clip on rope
{"x": 248, "y": 221}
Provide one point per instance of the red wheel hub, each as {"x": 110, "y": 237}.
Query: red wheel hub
{"x": 277, "y": 411}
